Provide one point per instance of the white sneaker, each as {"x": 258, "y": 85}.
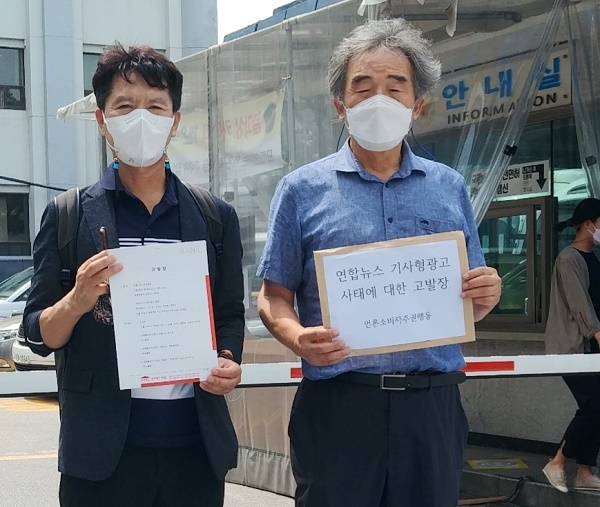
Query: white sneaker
{"x": 556, "y": 477}
{"x": 589, "y": 484}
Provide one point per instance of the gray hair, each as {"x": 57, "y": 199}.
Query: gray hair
{"x": 392, "y": 34}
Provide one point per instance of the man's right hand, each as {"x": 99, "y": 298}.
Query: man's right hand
{"x": 317, "y": 345}
{"x": 92, "y": 281}
{"x": 320, "y": 346}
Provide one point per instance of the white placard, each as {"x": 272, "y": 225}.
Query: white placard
{"x": 403, "y": 294}
{"x": 162, "y": 314}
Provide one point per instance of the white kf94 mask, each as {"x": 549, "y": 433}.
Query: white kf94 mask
{"x": 379, "y": 123}
{"x": 140, "y": 136}
{"x": 595, "y": 235}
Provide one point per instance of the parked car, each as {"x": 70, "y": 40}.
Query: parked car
{"x": 10, "y": 327}
{"x": 8, "y": 334}
{"x": 26, "y": 360}
{"x": 13, "y": 293}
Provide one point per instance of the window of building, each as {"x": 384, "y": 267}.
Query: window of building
{"x": 90, "y": 61}
{"x": 12, "y": 79}
{"x": 14, "y": 224}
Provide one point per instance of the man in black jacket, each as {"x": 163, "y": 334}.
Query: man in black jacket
{"x": 155, "y": 446}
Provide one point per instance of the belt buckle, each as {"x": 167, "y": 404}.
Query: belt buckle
{"x": 383, "y": 387}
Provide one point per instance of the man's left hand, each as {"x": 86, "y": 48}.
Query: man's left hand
{"x": 483, "y": 286}
{"x": 223, "y": 378}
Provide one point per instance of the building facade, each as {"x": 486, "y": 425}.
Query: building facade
{"x": 48, "y": 55}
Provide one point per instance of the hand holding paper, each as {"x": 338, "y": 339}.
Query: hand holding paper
{"x": 224, "y": 378}
{"x": 484, "y": 287}
{"x": 320, "y": 346}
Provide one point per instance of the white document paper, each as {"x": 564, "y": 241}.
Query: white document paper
{"x": 396, "y": 295}
{"x": 162, "y": 315}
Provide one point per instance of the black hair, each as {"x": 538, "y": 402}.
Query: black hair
{"x": 154, "y": 68}
{"x": 588, "y": 209}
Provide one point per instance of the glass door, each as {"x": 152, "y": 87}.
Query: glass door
{"x": 516, "y": 241}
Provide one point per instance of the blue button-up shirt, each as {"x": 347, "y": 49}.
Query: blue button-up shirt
{"x": 334, "y": 202}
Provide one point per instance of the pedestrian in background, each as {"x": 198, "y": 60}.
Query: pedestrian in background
{"x": 573, "y": 327}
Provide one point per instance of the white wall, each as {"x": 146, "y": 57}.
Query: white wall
{"x": 14, "y": 145}
{"x": 130, "y": 22}
{"x": 13, "y": 21}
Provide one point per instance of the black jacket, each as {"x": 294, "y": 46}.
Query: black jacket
{"x": 94, "y": 412}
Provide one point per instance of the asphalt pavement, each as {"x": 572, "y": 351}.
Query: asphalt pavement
{"x": 28, "y": 459}
{"x": 29, "y": 477}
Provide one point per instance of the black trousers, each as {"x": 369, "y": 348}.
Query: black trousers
{"x": 150, "y": 477}
{"x": 356, "y": 445}
{"x": 582, "y": 438}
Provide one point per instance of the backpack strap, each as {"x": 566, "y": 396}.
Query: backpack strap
{"x": 67, "y": 221}
{"x": 208, "y": 207}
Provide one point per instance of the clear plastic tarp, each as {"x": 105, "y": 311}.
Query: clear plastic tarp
{"x": 189, "y": 149}
{"x": 583, "y": 21}
{"x": 258, "y": 107}
{"x": 495, "y": 71}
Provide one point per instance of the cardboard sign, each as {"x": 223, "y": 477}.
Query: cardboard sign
{"x": 397, "y": 295}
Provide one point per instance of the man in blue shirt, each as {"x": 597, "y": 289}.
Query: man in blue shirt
{"x": 155, "y": 446}
{"x": 360, "y": 439}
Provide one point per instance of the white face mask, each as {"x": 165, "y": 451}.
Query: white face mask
{"x": 595, "y": 236}
{"x": 140, "y": 136}
{"x": 379, "y": 123}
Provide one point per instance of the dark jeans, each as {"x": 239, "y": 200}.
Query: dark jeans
{"x": 150, "y": 477}
{"x": 356, "y": 445}
{"x": 582, "y": 438}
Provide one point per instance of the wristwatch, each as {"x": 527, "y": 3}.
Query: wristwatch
{"x": 226, "y": 354}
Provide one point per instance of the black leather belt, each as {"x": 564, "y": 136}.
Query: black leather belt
{"x": 400, "y": 382}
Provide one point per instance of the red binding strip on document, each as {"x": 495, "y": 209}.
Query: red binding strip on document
{"x": 210, "y": 313}
{"x": 171, "y": 382}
